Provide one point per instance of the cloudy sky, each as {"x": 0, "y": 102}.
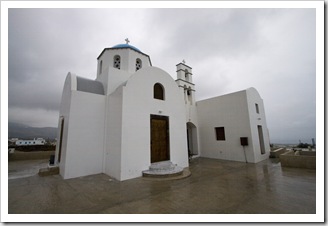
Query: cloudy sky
{"x": 272, "y": 50}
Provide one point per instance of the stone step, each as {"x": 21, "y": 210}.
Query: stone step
{"x": 163, "y": 169}
{"x": 165, "y": 165}
{"x": 48, "y": 171}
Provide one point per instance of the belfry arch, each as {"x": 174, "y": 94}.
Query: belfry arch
{"x": 192, "y": 139}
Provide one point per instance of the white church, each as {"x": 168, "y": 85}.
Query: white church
{"x": 134, "y": 117}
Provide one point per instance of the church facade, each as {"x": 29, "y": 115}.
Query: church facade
{"x": 134, "y": 115}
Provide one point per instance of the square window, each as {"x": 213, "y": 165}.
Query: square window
{"x": 220, "y": 135}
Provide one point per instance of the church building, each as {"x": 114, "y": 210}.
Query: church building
{"x": 134, "y": 118}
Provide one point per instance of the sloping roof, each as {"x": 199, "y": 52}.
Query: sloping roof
{"x": 89, "y": 86}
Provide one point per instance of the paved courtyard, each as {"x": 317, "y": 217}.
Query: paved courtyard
{"x": 214, "y": 187}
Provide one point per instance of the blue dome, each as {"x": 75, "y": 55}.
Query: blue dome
{"x": 122, "y": 46}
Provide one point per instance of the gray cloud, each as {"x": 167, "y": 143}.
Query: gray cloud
{"x": 229, "y": 50}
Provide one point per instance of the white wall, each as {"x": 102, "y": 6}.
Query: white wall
{"x": 69, "y": 86}
{"x": 256, "y": 119}
{"x": 85, "y": 134}
{"x": 236, "y": 112}
{"x": 138, "y": 105}
{"x": 231, "y": 112}
{"x": 113, "y": 134}
{"x": 111, "y": 78}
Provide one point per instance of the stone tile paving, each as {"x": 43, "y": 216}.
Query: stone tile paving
{"x": 215, "y": 187}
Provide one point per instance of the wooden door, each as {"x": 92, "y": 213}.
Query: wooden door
{"x": 159, "y": 138}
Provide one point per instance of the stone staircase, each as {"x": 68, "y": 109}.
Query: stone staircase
{"x": 163, "y": 169}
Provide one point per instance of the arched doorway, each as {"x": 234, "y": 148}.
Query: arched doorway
{"x": 192, "y": 139}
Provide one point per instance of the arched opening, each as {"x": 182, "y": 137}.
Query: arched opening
{"x": 185, "y": 94}
{"x": 192, "y": 139}
{"x": 159, "y": 91}
{"x": 117, "y": 62}
{"x": 138, "y": 64}
{"x": 186, "y": 75}
{"x": 189, "y": 94}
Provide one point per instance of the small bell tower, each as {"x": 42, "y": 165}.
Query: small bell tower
{"x": 184, "y": 81}
{"x": 187, "y": 90}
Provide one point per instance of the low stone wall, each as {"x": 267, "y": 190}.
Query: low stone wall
{"x": 289, "y": 159}
{"x": 276, "y": 153}
{"x": 307, "y": 153}
{"x": 19, "y": 156}
{"x": 33, "y": 148}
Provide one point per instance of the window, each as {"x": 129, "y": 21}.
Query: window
{"x": 158, "y": 91}
{"x": 220, "y": 135}
{"x": 138, "y": 64}
{"x": 117, "y": 62}
{"x": 257, "y": 108}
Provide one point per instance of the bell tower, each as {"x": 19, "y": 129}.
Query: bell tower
{"x": 187, "y": 90}
{"x": 184, "y": 81}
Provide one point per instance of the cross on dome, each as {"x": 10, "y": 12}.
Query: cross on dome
{"x": 127, "y": 41}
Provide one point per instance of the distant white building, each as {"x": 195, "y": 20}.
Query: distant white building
{"x": 35, "y": 141}
{"x": 134, "y": 115}
{"x": 13, "y": 140}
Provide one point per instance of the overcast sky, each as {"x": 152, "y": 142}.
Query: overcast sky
{"x": 272, "y": 50}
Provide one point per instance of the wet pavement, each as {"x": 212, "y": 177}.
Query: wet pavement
{"x": 214, "y": 187}
{"x": 21, "y": 169}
